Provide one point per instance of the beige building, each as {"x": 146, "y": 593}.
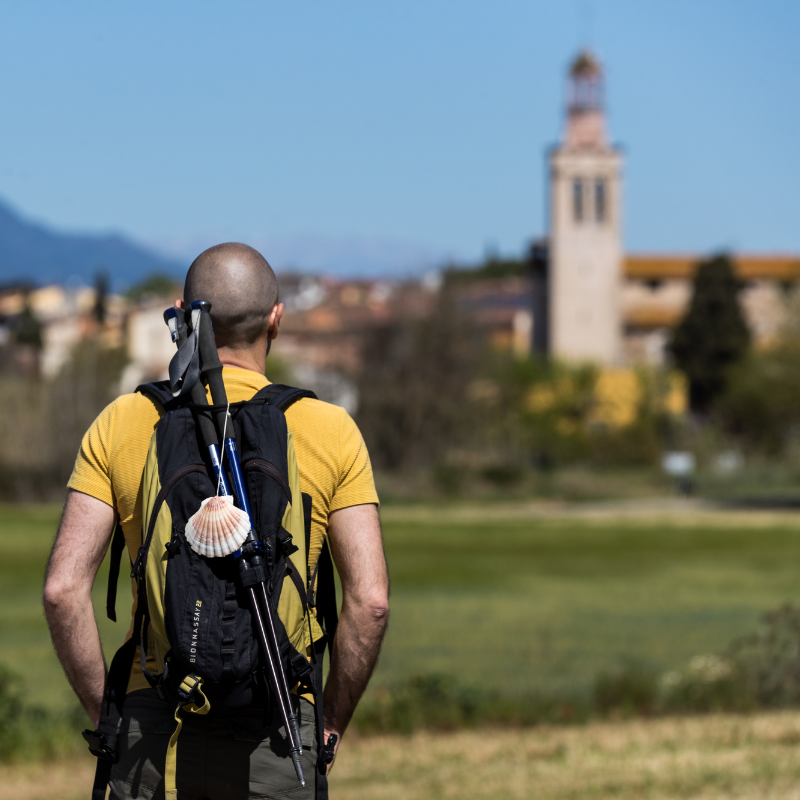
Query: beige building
{"x": 65, "y": 314}
{"x": 602, "y": 304}
{"x": 657, "y": 289}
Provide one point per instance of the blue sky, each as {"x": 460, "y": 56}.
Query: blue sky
{"x": 410, "y": 131}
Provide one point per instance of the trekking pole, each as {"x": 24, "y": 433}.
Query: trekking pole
{"x": 252, "y": 574}
{"x": 179, "y": 330}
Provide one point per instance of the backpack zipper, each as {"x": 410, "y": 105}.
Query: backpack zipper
{"x": 268, "y": 468}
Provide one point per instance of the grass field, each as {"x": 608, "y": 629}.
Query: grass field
{"x": 544, "y": 602}
{"x": 516, "y": 598}
{"x": 713, "y": 757}
{"x": 521, "y": 599}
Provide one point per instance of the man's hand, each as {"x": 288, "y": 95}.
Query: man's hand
{"x": 81, "y": 543}
{"x": 357, "y": 547}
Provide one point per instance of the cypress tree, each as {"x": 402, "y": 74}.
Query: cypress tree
{"x": 28, "y": 328}
{"x": 713, "y": 336}
{"x": 100, "y": 296}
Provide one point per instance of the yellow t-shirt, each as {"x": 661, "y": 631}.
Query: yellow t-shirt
{"x": 331, "y": 456}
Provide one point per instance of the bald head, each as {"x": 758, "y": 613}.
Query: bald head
{"x": 242, "y": 290}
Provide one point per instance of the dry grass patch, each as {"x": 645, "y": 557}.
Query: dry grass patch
{"x": 723, "y": 756}
{"x": 65, "y": 780}
{"x": 702, "y": 757}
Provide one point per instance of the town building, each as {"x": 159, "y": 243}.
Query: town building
{"x": 585, "y": 226}
{"x": 591, "y": 300}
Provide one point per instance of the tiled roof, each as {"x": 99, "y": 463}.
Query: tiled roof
{"x": 748, "y": 267}
{"x": 653, "y": 317}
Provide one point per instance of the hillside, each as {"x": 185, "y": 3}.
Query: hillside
{"x": 33, "y": 252}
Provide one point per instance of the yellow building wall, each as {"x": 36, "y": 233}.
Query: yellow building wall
{"x": 620, "y": 392}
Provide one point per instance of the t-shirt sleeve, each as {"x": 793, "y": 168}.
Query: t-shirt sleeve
{"x": 356, "y": 484}
{"x": 90, "y": 474}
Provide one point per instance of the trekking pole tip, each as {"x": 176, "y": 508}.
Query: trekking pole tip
{"x": 298, "y": 768}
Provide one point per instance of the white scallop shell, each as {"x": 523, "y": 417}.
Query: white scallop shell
{"x": 217, "y": 528}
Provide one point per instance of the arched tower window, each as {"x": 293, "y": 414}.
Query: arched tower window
{"x": 600, "y": 200}
{"x": 577, "y": 200}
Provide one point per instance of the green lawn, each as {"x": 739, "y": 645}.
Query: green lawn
{"x": 515, "y": 603}
{"x": 547, "y": 604}
{"x": 26, "y": 536}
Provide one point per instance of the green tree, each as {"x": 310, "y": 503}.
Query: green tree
{"x": 542, "y": 408}
{"x": 154, "y": 286}
{"x": 760, "y": 405}
{"x": 28, "y": 328}
{"x": 100, "y": 296}
{"x": 713, "y": 336}
{"x": 84, "y": 386}
{"x": 414, "y": 387}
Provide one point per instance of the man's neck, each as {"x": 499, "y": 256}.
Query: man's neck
{"x": 240, "y": 360}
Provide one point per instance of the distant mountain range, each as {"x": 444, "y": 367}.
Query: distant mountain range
{"x": 342, "y": 256}
{"x": 32, "y": 252}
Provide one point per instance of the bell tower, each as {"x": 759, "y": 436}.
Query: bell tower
{"x": 585, "y": 271}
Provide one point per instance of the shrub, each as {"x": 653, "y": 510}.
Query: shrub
{"x": 760, "y": 405}
{"x": 440, "y": 702}
{"x": 630, "y": 690}
{"x": 10, "y": 708}
{"x": 450, "y": 478}
{"x": 31, "y": 732}
{"x": 424, "y": 701}
{"x": 503, "y": 474}
{"x": 769, "y": 660}
{"x": 709, "y": 683}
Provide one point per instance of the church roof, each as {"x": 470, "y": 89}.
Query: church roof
{"x": 748, "y": 266}
{"x": 585, "y": 64}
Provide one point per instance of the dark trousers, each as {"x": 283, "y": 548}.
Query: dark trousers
{"x": 233, "y": 757}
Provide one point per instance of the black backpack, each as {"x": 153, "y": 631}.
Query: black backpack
{"x": 191, "y": 617}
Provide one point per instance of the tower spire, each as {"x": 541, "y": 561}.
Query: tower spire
{"x": 585, "y": 104}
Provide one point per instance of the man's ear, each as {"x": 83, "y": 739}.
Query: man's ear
{"x": 275, "y": 320}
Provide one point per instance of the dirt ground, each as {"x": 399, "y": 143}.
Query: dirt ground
{"x": 749, "y": 757}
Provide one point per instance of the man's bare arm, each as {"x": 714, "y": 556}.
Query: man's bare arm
{"x": 80, "y": 545}
{"x": 355, "y": 536}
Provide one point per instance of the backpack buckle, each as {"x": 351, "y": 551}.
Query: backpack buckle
{"x": 300, "y": 666}
{"x": 284, "y": 539}
{"x": 138, "y": 562}
{"x": 102, "y": 745}
{"x": 188, "y": 689}
{"x": 328, "y": 751}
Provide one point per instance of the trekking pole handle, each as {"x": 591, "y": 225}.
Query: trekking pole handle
{"x": 211, "y": 367}
{"x": 179, "y": 330}
{"x": 176, "y": 322}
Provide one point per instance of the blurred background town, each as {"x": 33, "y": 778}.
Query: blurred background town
{"x": 576, "y": 354}
{"x": 555, "y": 279}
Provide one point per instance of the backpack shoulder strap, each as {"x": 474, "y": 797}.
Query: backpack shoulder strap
{"x": 158, "y": 391}
{"x": 103, "y": 741}
{"x": 282, "y": 396}
{"x": 117, "y": 549}
{"x": 327, "y": 613}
